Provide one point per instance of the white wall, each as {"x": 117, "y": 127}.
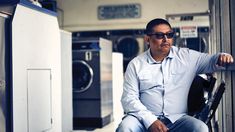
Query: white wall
{"x": 81, "y": 15}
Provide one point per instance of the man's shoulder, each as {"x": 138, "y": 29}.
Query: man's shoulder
{"x": 141, "y": 57}
{"x": 180, "y": 50}
{"x": 138, "y": 60}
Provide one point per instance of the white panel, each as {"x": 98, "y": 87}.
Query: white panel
{"x": 39, "y": 100}
{"x": 117, "y": 87}
{"x": 106, "y": 76}
{"x": 35, "y": 45}
{"x": 106, "y": 59}
{"x": 66, "y": 75}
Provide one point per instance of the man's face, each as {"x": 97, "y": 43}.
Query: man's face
{"x": 161, "y": 39}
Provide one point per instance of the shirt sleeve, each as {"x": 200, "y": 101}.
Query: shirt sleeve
{"x": 205, "y": 63}
{"x": 130, "y": 98}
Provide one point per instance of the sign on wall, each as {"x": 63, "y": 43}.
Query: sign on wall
{"x": 188, "y": 32}
{"x": 119, "y": 11}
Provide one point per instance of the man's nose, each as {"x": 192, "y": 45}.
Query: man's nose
{"x": 165, "y": 37}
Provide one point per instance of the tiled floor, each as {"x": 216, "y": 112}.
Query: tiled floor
{"x": 108, "y": 128}
{"x": 111, "y": 127}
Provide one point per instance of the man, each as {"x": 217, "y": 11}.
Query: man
{"x": 157, "y": 83}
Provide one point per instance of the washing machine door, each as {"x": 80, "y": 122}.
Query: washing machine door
{"x": 127, "y": 45}
{"x": 198, "y": 44}
{"x": 82, "y": 76}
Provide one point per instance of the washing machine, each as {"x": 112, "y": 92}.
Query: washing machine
{"x": 198, "y": 43}
{"x": 129, "y": 42}
{"x": 92, "y": 83}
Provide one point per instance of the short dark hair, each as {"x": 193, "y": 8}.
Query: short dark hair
{"x": 155, "y": 22}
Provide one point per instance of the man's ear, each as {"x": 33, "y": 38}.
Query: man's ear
{"x": 146, "y": 39}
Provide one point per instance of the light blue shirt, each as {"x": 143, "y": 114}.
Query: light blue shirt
{"x": 161, "y": 88}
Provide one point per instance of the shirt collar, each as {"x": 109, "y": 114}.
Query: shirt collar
{"x": 152, "y": 61}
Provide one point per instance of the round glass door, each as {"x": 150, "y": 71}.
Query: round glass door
{"x": 198, "y": 44}
{"x": 82, "y": 76}
{"x": 128, "y": 46}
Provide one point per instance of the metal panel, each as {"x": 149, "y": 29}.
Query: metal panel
{"x": 226, "y": 47}
{"x": 2, "y": 76}
{"x": 119, "y": 11}
{"x": 215, "y": 21}
{"x": 39, "y": 100}
{"x": 232, "y": 29}
{"x": 5, "y": 88}
{"x": 221, "y": 42}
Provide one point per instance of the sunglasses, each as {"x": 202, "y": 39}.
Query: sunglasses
{"x": 161, "y": 35}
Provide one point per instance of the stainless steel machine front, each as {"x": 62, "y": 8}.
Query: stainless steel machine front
{"x": 4, "y": 119}
{"x": 92, "y": 83}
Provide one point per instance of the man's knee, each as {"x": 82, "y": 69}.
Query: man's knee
{"x": 190, "y": 124}
{"x": 123, "y": 127}
{"x": 130, "y": 124}
{"x": 200, "y": 126}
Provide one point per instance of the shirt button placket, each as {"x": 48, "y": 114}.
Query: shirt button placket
{"x": 163, "y": 88}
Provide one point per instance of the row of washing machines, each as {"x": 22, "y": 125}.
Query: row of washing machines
{"x": 92, "y": 72}
{"x": 131, "y": 42}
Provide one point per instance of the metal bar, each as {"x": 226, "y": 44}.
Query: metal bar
{"x": 4, "y": 14}
{"x": 207, "y": 13}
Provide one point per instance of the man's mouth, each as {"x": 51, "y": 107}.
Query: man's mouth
{"x": 165, "y": 45}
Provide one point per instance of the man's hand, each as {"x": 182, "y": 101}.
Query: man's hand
{"x": 224, "y": 59}
{"x": 158, "y": 126}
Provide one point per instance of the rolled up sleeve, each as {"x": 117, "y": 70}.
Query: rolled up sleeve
{"x": 205, "y": 63}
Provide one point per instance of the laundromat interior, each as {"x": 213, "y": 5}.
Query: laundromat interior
{"x": 62, "y": 62}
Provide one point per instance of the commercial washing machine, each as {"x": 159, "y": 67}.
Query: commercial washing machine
{"x": 92, "y": 83}
{"x": 199, "y": 43}
{"x": 129, "y": 42}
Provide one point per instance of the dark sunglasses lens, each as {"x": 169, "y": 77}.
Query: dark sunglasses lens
{"x": 159, "y": 35}
{"x": 162, "y": 35}
{"x": 170, "y": 35}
